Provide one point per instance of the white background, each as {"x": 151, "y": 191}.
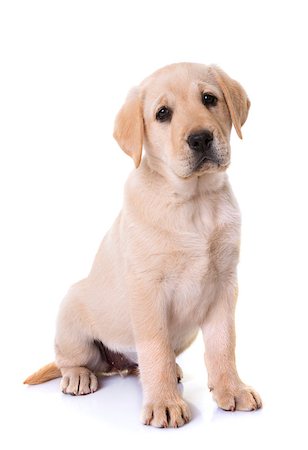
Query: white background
{"x": 65, "y": 69}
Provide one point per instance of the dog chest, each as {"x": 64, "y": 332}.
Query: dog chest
{"x": 207, "y": 257}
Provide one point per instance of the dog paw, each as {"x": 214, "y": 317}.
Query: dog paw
{"x": 164, "y": 414}
{"x": 243, "y": 398}
{"x": 78, "y": 381}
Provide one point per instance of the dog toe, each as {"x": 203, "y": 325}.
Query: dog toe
{"x": 78, "y": 381}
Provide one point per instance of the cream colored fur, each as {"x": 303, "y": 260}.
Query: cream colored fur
{"x": 167, "y": 267}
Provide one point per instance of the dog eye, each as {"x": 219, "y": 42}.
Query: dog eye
{"x": 209, "y": 99}
{"x": 163, "y": 114}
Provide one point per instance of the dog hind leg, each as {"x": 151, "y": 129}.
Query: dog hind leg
{"x": 77, "y": 356}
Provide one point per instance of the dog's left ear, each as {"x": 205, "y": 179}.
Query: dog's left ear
{"x": 128, "y": 128}
{"x": 236, "y": 98}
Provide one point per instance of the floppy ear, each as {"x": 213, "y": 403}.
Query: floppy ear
{"x": 236, "y": 98}
{"x": 128, "y": 128}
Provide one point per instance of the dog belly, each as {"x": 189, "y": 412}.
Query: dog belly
{"x": 117, "y": 361}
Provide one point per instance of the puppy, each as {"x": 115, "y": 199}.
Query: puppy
{"x": 167, "y": 267}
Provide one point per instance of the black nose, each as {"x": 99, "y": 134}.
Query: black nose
{"x": 201, "y": 141}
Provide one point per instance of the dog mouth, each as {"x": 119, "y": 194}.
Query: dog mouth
{"x": 215, "y": 158}
{"x": 206, "y": 160}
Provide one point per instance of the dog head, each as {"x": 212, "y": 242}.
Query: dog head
{"x": 182, "y": 115}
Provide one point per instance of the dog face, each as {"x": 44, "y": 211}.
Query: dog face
{"x": 183, "y": 115}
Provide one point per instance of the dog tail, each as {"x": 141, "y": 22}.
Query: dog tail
{"x": 46, "y": 373}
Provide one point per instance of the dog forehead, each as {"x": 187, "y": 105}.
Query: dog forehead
{"x": 175, "y": 79}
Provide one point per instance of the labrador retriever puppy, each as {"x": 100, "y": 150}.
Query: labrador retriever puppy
{"x": 167, "y": 267}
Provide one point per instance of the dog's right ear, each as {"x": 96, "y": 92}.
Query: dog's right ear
{"x": 128, "y": 128}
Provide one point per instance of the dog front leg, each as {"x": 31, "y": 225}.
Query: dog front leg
{"x": 218, "y": 330}
{"x": 163, "y": 405}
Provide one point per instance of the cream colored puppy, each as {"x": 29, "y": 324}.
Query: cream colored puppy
{"x": 167, "y": 267}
